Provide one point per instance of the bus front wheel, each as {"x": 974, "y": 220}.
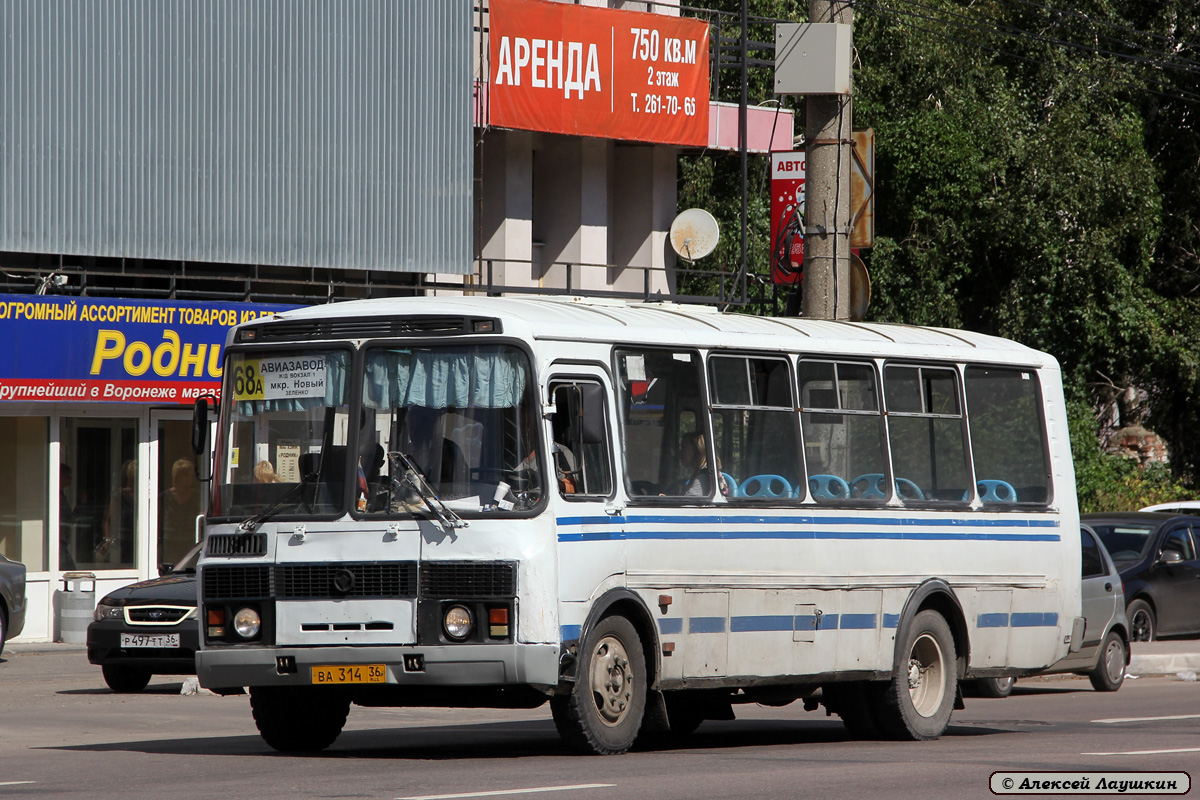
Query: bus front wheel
{"x": 602, "y": 713}
{"x": 296, "y": 719}
{"x": 918, "y": 700}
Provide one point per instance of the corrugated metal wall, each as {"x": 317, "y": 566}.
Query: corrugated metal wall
{"x": 323, "y": 133}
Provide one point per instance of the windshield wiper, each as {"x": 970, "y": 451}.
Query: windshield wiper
{"x": 417, "y": 482}
{"x": 250, "y": 524}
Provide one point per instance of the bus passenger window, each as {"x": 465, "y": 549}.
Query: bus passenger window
{"x": 1008, "y": 443}
{"x": 926, "y": 434}
{"x": 842, "y": 428}
{"x": 579, "y": 448}
{"x": 755, "y": 429}
{"x": 661, "y": 406}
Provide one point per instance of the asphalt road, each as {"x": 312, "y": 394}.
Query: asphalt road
{"x": 63, "y": 734}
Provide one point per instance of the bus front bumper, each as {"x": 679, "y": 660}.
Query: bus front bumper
{"x": 410, "y": 665}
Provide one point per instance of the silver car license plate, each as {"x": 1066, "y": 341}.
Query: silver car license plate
{"x": 149, "y": 640}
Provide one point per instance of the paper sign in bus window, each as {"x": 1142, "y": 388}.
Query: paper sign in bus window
{"x": 285, "y": 378}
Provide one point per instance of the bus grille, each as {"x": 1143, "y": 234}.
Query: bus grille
{"x": 237, "y": 582}
{"x": 467, "y": 579}
{"x": 438, "y": 579}
{"x": 236, "y": 544}
{"x": 308, "y": 581}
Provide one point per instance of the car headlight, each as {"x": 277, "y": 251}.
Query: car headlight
{"x": 247, "y": 623}
{"x": 457, "y": 622}
{"x": 108, "y": 611}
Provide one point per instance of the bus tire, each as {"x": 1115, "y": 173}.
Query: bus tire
{"x": 856, "y": 702}
{"x": 296, "y": 719}
{"x": 602, "y": 714}
{"x": 917, "y": 701}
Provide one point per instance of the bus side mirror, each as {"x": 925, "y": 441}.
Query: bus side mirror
{"x": 200, "y": 425}
{"x": 200, "y": 436}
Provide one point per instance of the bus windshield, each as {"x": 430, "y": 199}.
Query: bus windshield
{"x": 463, "y": 416}
{"x": 285, "y": 434}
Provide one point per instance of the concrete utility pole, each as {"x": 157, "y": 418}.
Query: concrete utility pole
{"x": 827, "y": 134}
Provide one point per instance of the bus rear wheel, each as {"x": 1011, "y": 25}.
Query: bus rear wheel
{"x": 603, "y": 712}
{"x": 295, "y": 719}
{"x": 917, "y": 701}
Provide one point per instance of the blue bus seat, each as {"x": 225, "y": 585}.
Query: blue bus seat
{"x": 766, "y": 486}
{"x": 996, "y": 491}
{"x": 872, "y": 486}
{"x": 828, "y": 487}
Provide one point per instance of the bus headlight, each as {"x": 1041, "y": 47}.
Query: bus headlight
{"x": 247, "y": 623}
{"x": 457, "y": 623}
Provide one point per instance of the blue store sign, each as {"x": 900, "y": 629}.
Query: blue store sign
{"x": 72, "y": 349}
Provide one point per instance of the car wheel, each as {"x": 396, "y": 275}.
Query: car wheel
{"x": 1109, "y": 673}
{"x": 123, "y": 679}
{"x": 3, "y": 629}
{"x": 295, "y": 719}
{"x": 991, "y": 687}
{"x": 917, "y": 702}
{"x": 1142, "y": 625}
{"x": 603, "y": 712}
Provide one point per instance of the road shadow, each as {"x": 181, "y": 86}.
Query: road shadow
{"x": 515, "y": 740}
{"x": 152, "y": 689}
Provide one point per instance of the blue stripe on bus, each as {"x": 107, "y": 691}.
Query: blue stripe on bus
{"x": 730, "y": 519}
{"x": 813, "y": 622}
{"x": 684, "y": 535}
{"x": 762, "y": 623}
{"x": 706, "y": 624}
{"x": 758, "y": 623}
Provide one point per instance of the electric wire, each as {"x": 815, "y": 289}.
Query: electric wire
{"x": 1015, "y": 32}
{"x": 1178, "y": 94}
{"x": 1081, "y": 15}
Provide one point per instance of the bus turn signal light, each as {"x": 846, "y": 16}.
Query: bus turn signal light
{"x": 498, "y": 623}
{"x": 216, "y": 623}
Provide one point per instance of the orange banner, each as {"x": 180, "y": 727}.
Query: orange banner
{"x": 589, "y": 71}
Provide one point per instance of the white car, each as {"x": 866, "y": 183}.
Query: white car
{"x": 1176, "y": 507}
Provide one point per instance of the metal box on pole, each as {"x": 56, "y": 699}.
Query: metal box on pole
{"x": 812, "y": 58}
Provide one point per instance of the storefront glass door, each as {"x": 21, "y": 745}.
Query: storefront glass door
{"x": 179, "y": 493}
{"x": 99, "y": 494}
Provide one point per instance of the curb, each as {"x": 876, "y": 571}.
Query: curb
{"x": 1163, "y": 664}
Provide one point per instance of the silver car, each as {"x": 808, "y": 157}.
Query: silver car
{"x": 12, "y": 599}
{"x": 1105, "y": 651}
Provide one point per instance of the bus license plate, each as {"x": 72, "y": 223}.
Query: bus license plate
{"x": 352, "y": 673}
{"x": 149, "y": 640}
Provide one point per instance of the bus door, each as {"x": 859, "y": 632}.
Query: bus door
{"x": 588, "y": 518}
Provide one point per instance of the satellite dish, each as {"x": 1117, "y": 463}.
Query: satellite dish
{"x": 694, "y": 234}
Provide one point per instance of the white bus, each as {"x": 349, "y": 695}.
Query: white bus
{"x": 643, "y": 514}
